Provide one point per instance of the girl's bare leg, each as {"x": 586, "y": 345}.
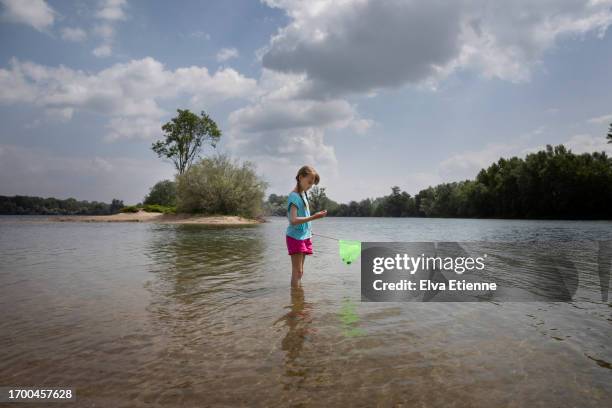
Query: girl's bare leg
{"x": 302, "y": 266}
{"x": 296, "y": 267}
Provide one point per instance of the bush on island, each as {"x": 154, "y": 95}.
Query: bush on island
{"x": 219, "y": 186}
{"x": 159, "y": 208}
{"x": 130, "y": 209}
{"x": 162, "y": 193}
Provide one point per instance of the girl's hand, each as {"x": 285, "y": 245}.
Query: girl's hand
{"x": 321, "y": 214}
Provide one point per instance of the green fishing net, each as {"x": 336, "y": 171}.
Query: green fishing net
{"x": 349, "y": 250}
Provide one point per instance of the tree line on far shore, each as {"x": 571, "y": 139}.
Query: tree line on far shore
{"x": 29, "y": 205}
{"x": 550, "y": 184}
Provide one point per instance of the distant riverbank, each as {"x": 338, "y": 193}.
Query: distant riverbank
{"x": 143, "y": 216}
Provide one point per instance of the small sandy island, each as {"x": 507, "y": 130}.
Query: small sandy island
{"x": 143, "y": 216}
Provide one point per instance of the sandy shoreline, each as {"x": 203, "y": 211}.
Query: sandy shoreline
{"x": 143, "y": 216}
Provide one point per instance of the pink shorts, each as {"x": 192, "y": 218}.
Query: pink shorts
{"x": 297, "y": 246}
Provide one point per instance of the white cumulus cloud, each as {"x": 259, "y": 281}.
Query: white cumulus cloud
{"x": 279, "y": 128}
{"x": 270, "y": 115}
{"x": 73, "y": 34}
{"x": 35, "y": 13}
{"x": 112, "y": 10}
{"x": 109, "y": 13}
{"x": 601, "y": 119}
{"x": 227, "y": 53}
{"x": 103, "y": 50}
{"x": 128, "y": 94}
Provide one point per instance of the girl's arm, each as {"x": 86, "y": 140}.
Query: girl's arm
{"x": 295, "y": 220}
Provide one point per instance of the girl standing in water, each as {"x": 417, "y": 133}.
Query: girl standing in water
{"x": 299, "y": 231}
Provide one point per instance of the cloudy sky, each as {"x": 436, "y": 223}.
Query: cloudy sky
{"x": 371, "y": 93}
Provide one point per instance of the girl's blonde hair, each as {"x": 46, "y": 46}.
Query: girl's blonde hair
{"x": 305, "y": 171}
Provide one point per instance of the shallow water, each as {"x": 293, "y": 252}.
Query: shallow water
{"x": 133, "y": 314}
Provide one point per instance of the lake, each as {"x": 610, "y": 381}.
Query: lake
{"x": 138, "y": 314}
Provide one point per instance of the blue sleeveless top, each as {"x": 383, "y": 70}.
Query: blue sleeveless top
{"x": 301, "y": 231}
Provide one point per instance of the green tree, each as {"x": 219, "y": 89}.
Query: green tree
{"x": 366, "y": 208}
{"x": 276, "y": 205}
{"x": 317, "y": 199}
{"x": 162, "y": 193}
{"x": 115, "y": 206}
{"x": 185, "y": 134}
{"x": 397, "y": 204}
{"x": 609, "y": 137}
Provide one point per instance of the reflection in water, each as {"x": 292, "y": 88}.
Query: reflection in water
{"x": 200, "y": 272}
{"x": 199, "y": 260}
{"x": 298, "y": 321}
{"x": 349, "y": 318}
